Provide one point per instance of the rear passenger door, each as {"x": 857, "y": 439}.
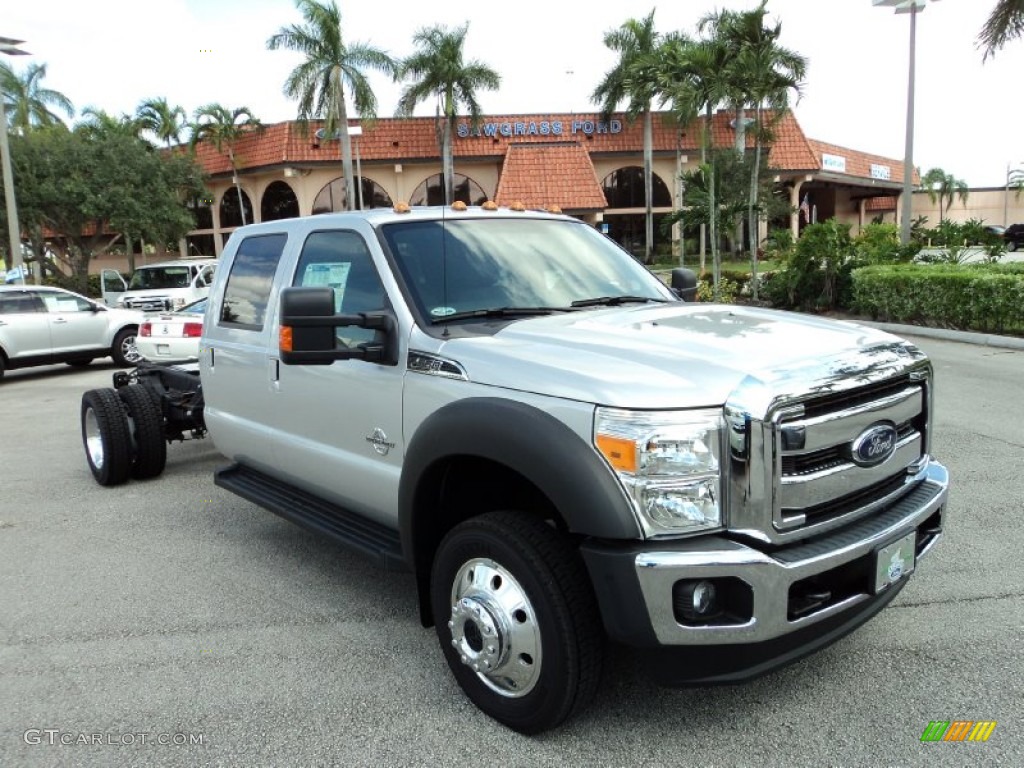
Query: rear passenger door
{"x": 24, "y": 325}
{"x": 342, "y": 423}
{"x": 238, "y": 355}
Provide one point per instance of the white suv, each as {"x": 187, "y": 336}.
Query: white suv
{"x": 164, "y": 287}
{"x": 41, "y": 325}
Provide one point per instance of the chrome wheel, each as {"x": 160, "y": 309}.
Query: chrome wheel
{"x": 129, "y": 351}
{"x": 93, "y": 439}
{"x": 494, "y": 628}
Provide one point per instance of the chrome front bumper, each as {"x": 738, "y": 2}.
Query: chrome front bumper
{"x": 769, "y": 575}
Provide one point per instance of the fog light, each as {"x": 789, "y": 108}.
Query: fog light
{"x": 696, "y": 600}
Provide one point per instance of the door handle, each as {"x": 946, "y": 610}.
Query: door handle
{"x": 60, "y": 320}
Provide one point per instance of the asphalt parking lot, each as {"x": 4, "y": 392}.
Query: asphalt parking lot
{"x": 168, "y": 622}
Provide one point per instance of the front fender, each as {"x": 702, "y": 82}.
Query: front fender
{"x": 528, "y": 441}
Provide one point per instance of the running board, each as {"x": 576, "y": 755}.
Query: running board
{"x": 369, "y": 538}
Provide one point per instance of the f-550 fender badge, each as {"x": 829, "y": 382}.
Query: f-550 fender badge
{"x": 379, "y": 441}
{"x": 874, "y": 445}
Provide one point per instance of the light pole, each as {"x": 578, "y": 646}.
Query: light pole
{"x": 1016, "y": 176}
{"x": 9, "y": 46}
{"x": 913, "y": 7}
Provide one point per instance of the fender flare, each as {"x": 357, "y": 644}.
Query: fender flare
{"x": 568, "y": 470}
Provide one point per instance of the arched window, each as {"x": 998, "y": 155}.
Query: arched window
{"x": 200, "y": 207}
{"x": 230, "y": 213}
{"x": 331, "y": 198}
{"x": 279, "y": 202}
{"x": 431, "y": 191}
{"x": 624, "y": 188}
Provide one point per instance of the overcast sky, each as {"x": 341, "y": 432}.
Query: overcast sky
{"x": 111, "y": 54}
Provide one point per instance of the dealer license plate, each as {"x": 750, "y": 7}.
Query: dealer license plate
{"x": 895, "y": 561}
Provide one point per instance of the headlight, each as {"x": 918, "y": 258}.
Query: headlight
{"x": 668, "y": 462}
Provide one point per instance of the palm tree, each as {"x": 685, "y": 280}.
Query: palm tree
{"x": 223, "y": 127}
{"x": 761, "y": 74}
{"x": 162, "y": 120}
{"x": 634, "y": 80}
{"x": 96, "y": 122}
{"x": 944, "y": 187}
{"x": 27, "y": 103}
{"x": 437, "y": 70}
{"x": 1005, "y": 23}
{"x": 319, "y": 83}
{"x": 692, "y": 77}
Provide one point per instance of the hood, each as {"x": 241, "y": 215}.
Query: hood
{"x": 675, "y": 355}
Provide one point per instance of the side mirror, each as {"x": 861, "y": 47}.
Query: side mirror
{"x": 307, "y": 330}
{"x": 684, "y": 284}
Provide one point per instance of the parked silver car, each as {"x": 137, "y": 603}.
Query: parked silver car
{"x": 40, "y": 325}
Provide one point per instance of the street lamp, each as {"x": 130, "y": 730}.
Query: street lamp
{"x": 913, "y": 7}
{"x": 1016, "y": 177}
{"x": 9, "y": 47}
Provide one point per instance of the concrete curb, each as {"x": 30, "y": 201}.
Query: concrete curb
{"x": 944, "y": 334}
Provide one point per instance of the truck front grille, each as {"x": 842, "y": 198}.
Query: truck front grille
{"x": 817, "y": 476}
{"x": 827, "y": 454}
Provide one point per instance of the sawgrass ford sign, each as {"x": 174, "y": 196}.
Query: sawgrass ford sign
{"x": 540, "y": 128}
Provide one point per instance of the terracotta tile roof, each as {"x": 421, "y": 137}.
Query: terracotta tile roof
{"x": 402, "y": 140}
{"x": 553, "y": 174}
{"x": 881, "y": 204}
{"x": 859, "y": 164}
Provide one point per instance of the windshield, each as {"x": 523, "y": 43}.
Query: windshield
{"x": 161, "y": 277}
{"x": 459, "y": 266}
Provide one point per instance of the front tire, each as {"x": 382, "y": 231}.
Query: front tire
{"x": 105, "y": 436}
{"x": 124, "y": 351}
{"x": 517, "y": 620}
{"x": 146, "y": 427}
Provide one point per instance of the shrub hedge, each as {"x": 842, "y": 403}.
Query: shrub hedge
{"x": 977, "y": 297}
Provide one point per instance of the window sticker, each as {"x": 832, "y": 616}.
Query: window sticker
{"x": 333, "y": 275}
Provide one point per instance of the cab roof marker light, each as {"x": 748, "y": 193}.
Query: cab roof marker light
{"x": 518, "y": 205}
{"x": 458, "y": 205}
{"x": 489, "y": 205}
{"x": 401, "y": 207}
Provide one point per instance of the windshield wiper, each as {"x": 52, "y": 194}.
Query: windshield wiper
{"x": 497, "y": 312}
{"x": 614, "y": 301}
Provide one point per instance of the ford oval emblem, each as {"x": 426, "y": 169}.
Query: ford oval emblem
{"x": 874, "y": 445}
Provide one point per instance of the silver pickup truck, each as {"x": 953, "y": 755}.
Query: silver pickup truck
{"x": 560, "y": 449}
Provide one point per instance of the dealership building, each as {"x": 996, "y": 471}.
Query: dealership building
{"x": 584, "y": 165}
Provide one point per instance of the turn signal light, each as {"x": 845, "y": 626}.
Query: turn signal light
{"x": 193, "y": 330}
{"x": 285, "y": 339}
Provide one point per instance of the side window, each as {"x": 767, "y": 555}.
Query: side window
{"x": 341, "y": 260}
{"x": 20, "y": 303}
{"x": 64, "y": 302}
{"x": 250, "y": 280}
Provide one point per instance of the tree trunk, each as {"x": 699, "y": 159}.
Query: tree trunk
{"x": 752, "y": 218}
{"x": 449, "y": 163}
{"x": 129, "y": 253}
{"x": 648, "y": 190}
{"x": 345, "y": 141}
{"x": 716, "y": 261}
{"x": 705, "y": 137}
{"x": 741, "y": 147}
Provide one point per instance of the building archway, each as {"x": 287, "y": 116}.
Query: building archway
{"x": 624, "y": 189}
{"x": 331, "y": 197}
{"x": 431, "y": 191}
{"x": 230, "y": 213}
{"x": 279, "y": 202}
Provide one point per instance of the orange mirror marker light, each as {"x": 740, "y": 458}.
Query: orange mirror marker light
{"x": 620, "y": 452}
{"x": 285, "y": 339}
